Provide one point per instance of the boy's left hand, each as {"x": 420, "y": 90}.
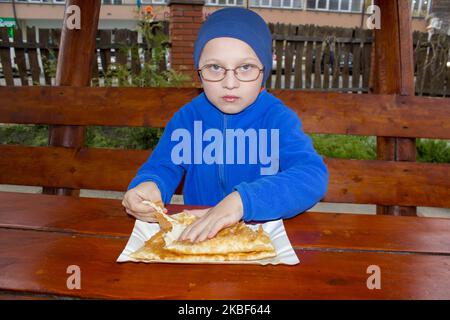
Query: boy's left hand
{"x": 226, "y": 213}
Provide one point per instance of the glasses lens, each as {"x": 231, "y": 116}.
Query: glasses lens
{"x": 247, "y": 72}
{"x": 213, "y": 72}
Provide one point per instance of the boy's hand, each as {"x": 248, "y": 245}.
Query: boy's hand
{"x": 132, "y": 201}
{"x": 226, "y": 213}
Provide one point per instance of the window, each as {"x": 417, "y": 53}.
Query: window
{"x": 153, "y": 1}
{"x": 311, "y": 4}
{"x": 335, "y": 5}
{"x": 112, "y": 2}
{"x": 277, "y": 3}
{"x": 345, "y": 5}
{"x": 322, "y": 4}
{"x": 356, "y": 5}
{"x": 223, "y": 2}
{"x": 420, "y": 8}
{"x": 287, "y": 3}
{"x": 35, "y": 1}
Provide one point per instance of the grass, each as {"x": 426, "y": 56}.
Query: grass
{"x": 330, "y": 146}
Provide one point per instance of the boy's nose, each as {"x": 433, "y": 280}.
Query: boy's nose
{"x": 230, "y": 81}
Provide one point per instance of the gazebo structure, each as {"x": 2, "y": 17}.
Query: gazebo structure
{"x": 390, "y": 111}
{"x": 47, "y": 239}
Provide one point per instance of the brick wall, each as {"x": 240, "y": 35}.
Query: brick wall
{"x": 186, "y": 17}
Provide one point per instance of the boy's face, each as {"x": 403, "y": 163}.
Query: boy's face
{"x": 230, "y": 53}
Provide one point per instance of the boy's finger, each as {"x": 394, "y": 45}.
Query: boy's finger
{"x": 146, "y": 218}
{"x": 197, "y": 212}
{"x": 142, "y": 208}
{"x": 190, "y": 233}
{"x": 185, "y": 232}
{"x": 216, "y": 227}
{"x": 198, "y": 230}
{"x": 148, "y": 208}
{"x": 143, "y": 217}
{"x": 203, "y": 234}
{"x": 131, "y": 213}
{"x": 125, "y": 203}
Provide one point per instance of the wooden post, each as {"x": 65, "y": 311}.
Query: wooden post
{"x": 393, "y": 73}
{"x": 186, "y": 18}
{"x": 74, "y": 68}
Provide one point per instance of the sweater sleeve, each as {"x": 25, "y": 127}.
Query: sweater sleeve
{"x": 301, "y": 182}
{"x": 159, "y": 168}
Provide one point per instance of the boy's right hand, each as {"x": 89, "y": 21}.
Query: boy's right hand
{"x": 132, "y": 201}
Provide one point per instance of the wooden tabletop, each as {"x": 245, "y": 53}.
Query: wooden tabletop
{"x": 42, "y": 235}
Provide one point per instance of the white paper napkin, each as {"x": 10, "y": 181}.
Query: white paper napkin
{"x": 143, "y": 231}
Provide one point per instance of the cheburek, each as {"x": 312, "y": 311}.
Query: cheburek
{"x": 235, "y": 243}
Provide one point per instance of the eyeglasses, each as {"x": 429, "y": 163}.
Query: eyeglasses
{"x": 214, "y": 72}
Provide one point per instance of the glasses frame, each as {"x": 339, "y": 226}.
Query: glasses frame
{"x": 199, "y": 71}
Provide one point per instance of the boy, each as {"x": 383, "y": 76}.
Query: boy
{"x": 277, "y": 174}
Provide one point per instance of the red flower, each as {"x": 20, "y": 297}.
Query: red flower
{"x": 148, "y": 9}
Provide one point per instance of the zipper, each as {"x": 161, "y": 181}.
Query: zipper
{"x": 222, "y": 166}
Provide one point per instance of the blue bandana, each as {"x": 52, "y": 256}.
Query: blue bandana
{"x": 242, "y": 24}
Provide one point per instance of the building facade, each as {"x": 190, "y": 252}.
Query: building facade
{"x": 439, "y": 18}
{"x": 123, "y": 13}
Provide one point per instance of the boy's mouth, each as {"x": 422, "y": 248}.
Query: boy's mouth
{"x": 230, "y": 98}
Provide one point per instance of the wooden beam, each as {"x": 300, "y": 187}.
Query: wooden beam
{"x": 320, "y": 112}
{"x": 351, "y": 181}
{"x": 74, "y": 67}
{"x": 393, "y": 73}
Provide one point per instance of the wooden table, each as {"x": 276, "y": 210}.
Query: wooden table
{"x": 41, "y": 235}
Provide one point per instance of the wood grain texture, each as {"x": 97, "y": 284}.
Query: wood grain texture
{"x": 393, "y": 73}
{"x": 350, "y": 181}
{"x": 320, "y": 112}
{"x": 37, "y": 262}
{"x": 74, "y": 68}
{"x": 106, "y": 217}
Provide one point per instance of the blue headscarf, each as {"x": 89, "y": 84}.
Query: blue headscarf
{"x": 242, "y": 24}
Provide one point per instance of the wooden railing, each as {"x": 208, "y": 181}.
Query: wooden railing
{"x": 33, "y": 61}
{"x": 351, "y": 181}
{"x": 308, "y": 57}
{"x": 339, "y": 59}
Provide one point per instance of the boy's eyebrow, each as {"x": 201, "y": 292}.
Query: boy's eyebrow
{"x": 217, "y": 60}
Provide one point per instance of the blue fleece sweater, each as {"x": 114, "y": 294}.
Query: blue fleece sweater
{"x": 301, "y": 179}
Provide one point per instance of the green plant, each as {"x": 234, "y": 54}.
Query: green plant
{"x": 437, "y": 151}
{"x": 123, "y": 138}
{"x": 345, "y": 146}
{"x": 49, "y": 63}
{"x": 34, "y": 135}
{"x": 150, "y": 73}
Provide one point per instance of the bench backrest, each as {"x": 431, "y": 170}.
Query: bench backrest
{"x": 351, "y": 181}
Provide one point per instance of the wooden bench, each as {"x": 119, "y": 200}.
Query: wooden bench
{"x": 335, "y": 250}
{"x": 351, "y": 181}
{"x": 390, "y": 112}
